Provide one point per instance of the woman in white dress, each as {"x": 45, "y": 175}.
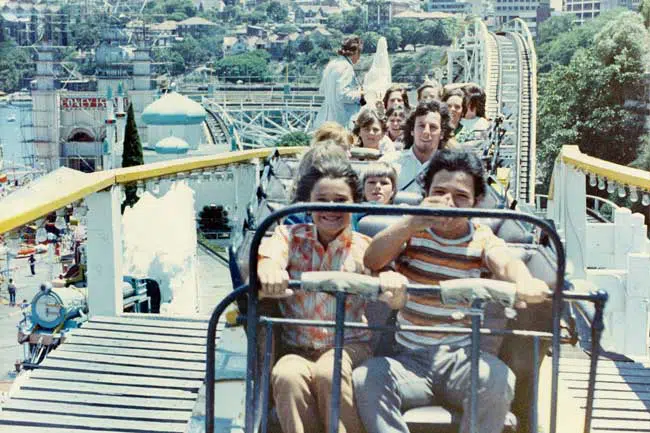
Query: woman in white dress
{"x": 342, "y": 90}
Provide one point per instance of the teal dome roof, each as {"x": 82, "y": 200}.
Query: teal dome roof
{"x": 173, "y": 145}
{"x": 173, "y": 109}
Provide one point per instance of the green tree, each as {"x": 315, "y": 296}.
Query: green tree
{"x": 132, "y": 155}
{"x": 296, "y": 138}
{"x": 305, "y": 45}
{"x": 587, "y": 101}
{"x": 173, "y": 62}
{"x": 393, "y": 37}
{"x": 253, "y": 65}
{"x": 286, "y": 29}
{"x": 370, "y": 41}
{"x": 277, "y": 12}
{"x": 644, "y": 10}
{"x": 15, "y": 64}
{"x": 410, "y": 31}
{"x": 350, "y": 21}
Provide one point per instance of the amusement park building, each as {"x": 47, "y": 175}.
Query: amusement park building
{"x": 587, "y": 9}
{"x": 75, "y": 128}
{"x": 532, "y": 12}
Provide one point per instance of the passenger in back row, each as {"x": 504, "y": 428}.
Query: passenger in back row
{"x": 426, "y": 130}
{"x": 435, "y": 368}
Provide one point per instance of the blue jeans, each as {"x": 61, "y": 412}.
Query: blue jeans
{"x": 385, "y": 388}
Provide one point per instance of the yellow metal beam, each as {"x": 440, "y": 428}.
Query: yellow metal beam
{"x": 31, "y": 203}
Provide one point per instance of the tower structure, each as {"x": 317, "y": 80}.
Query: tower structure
{"x": 45, "y": 112}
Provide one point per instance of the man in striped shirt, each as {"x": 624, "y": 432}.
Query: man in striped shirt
{"x": 429, "y": 368}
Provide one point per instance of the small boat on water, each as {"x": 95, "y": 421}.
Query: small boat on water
{"x": 11, "y": 118}
{"x": 20, "y": 98}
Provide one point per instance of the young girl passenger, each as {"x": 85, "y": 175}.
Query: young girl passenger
{"x": 301, "y": 380}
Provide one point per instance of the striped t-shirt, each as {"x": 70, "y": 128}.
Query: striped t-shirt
{"x": 429, "y": 259}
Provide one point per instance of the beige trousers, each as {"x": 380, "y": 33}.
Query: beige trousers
{"x": 302, "y": 388}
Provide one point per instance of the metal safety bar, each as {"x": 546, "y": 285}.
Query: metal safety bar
{"x": 558, "y": 296}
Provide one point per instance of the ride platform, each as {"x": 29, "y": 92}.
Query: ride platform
{"x": 126, "y": 374}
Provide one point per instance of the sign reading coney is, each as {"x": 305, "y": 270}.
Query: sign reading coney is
{"x": 88, "y": 103}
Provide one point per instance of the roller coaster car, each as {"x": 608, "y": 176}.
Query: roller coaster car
{"x": 520, "y": 342}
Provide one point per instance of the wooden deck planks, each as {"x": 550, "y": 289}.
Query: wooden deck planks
{"x": 622, "y": 398}
{"x": 162, "y": 337}
{"x": 92, "y": 367}
{"x": 126, "y": 374}
{"x": 52, "y": 420}
{"x": 134, "y": 353}
{"x": 96, "y": 411}
{"x": 172, "y": 347}
{"x": 24, "y": 429}
{"x": 113, "y": 401}
{"x": 98, "y": 358}
{"x": 147, "y": 330}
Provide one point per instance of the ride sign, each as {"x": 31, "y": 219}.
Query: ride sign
{"x": 87, "y": 103}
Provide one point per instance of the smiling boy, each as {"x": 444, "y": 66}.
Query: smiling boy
{"x": 435, "y": 368}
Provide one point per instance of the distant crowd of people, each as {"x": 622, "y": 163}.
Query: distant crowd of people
{"x": 426, "y": 148}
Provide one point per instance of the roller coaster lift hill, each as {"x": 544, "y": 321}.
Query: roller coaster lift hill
{"x": 475, "y": 291}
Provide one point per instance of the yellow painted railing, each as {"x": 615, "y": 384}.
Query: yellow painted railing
{"x": 620, "y": 174}
{"x": 48, "y": 195}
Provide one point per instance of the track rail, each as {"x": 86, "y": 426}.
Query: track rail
{"x": 504, "y": 63}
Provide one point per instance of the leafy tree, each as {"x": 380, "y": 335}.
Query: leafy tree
{"x": 173, "y": 61}
{"x": 644, "y": 10}
{"x": 586, "y": 101}
{"x": 253, "y": 65}
{"x": 296, "y": 138}
{"x": 277, "y": 12}
{"x": 350, "y": 21}
{"x": 370, "y": 41}
{"x": 177, "y": 10}
{"x": 132, "y": 155}
{"x": 393, "y": 37}
{"x": 554, "y": 26}
{"x": 410, "y": 31}
{"x": 286, "y": 29}
{"x": 305, "y": 45}
{"x": 212, "y": 219}
{"x": 15, "y": 63}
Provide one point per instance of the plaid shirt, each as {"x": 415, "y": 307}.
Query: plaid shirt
{"x": 296, "y": 248}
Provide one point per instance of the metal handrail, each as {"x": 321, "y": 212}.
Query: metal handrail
{"x": 558, "y": 297}
{"x": 598, "y": 203}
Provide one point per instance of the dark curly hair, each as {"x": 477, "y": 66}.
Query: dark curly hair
{"x": 402, "y": 90}
{"x": 456, "y": 160}
{"x": 475, "y": 98}
{"x": 423, "y": 109}
{"x": 351, "y": 46}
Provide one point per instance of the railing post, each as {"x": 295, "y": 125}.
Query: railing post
{"x": 104, "y": 252}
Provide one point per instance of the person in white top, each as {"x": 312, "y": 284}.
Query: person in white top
{"x": 370, "y": 129}
{"x": 427, "y": 129}
{"x": 475, "y": 125}
{"x": 342, "y": 90}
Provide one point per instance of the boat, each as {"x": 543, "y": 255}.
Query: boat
{"x": 21, "y": 98}
{"x": 11, "y": 118}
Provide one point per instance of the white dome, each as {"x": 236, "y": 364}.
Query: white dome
{"x": 173, "y": 109}
{"x": 172, "y": 145}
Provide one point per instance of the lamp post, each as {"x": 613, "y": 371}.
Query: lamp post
{"x": 12, "y": 243}
{"x": 51, "y": 239}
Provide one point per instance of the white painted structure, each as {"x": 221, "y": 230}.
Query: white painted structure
{"x": 614, "y": 257}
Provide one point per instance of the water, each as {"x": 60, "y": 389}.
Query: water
{"x": 13, "y": 135}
